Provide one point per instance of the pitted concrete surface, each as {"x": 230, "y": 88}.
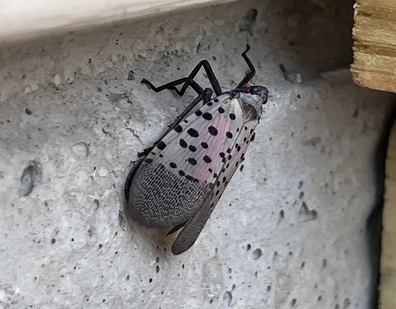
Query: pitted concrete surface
{"x": 290, "y": 230}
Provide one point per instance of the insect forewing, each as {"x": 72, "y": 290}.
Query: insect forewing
{"x": 176, "y": 177}
{"x": 193, "y": 228}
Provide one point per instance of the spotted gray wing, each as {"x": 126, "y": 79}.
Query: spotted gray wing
{"x": 176, "y": 177}
{"x": 189, "y": 234}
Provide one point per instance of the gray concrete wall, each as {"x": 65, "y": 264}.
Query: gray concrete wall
{"x": 290, "y": 230}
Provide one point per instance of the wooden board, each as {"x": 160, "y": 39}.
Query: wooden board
{"x": 388, "y": 256}
{"x": 22, "y": 19}
{"x": 374, "y": 47}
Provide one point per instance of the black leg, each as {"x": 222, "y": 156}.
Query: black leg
{"x": 249, "y": 75}
{"x": 172, "y": 86}
{"x": 189, "y": 81}
{"x": 209, "y": 72}
{"x": 204, "y": 96}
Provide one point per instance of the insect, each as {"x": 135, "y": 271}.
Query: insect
{"x": 178, "y": 182}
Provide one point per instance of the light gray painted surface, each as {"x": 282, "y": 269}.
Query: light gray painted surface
{"x": 289, "y": 232}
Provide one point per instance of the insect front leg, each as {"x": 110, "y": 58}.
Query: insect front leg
{"x": 252, "y": 71}
{"x": 172, "y": 86}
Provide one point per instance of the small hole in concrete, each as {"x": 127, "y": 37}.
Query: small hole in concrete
{"x": 227, "y": 297}
{"x": 347, "y": 303}
{"x": 257, "y": 253}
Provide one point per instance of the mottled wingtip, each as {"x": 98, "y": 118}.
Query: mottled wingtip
{"x": 178, "y": 249}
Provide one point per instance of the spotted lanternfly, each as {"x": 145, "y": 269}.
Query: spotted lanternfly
{"x": 178, "y": 182}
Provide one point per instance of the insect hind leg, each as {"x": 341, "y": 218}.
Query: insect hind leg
{"x": 172, "y": 86}
{"x": 204, "y": 96}
{"x": 189, "y": 81}
{"x": 209, "y": 72}
{"x": 252, "y": 71}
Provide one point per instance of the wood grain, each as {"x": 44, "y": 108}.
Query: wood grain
{"x": 388, "y": 256}
{"x": 374, "y": 47}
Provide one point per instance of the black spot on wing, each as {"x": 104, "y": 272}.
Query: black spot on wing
{"x": 192, "y": 132}
{"x": 183, "y": 143}
{"x": 178, "y": 128}
{"x": 207, "y": 116}
{"x": 207, "y": 159}
{"x": 192, "y": 148}
{"x": 204, "y": 145}
{"x": 161, "y": 145}
{"x": 212, "y": 130}
{"x": 192, "y": 161}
